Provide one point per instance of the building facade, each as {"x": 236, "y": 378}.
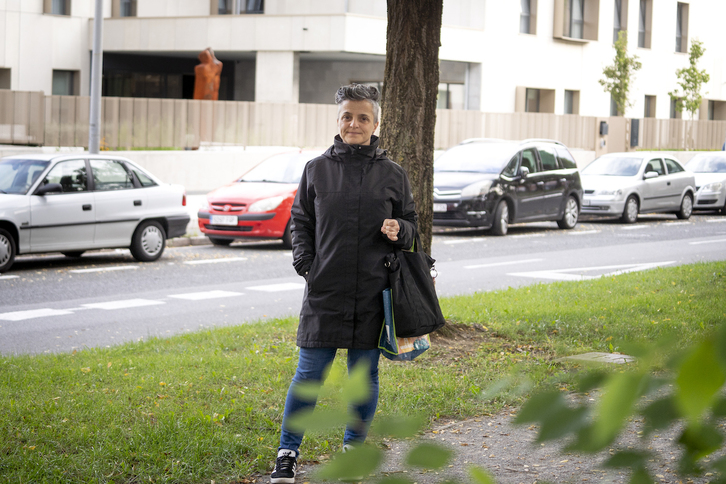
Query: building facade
{"x": 497, "y": 56}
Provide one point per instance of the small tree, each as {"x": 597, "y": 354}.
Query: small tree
{"x": 618, "y": 76}
{"x": 690, "y": 81}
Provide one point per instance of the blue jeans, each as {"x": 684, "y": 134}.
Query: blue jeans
{"x": 310, "y": 368}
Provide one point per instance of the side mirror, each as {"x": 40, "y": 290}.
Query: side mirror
{"x": 49, "y": 188}
{"x": 650, "y": 174}
{"x": 524, "y": 171}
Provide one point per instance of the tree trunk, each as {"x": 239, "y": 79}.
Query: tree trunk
{"x": 408, "y": 107}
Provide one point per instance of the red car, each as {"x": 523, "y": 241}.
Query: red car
{"x": 258, "y": 204}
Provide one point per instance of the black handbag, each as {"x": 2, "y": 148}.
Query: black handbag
{"x": 416, "y": 309}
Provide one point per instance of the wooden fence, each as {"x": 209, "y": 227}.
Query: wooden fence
{"x": 31, "y": 118}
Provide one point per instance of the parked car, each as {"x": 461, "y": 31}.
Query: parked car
{"x": 710, "y": 172}
{"x": 74, "y": 203}
{"x": 492, "y": 183}
{"x": 630, "y": 183}
{"x": 257, "y": 205}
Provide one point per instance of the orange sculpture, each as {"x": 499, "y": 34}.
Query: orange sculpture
{"x": 206, "y": 76}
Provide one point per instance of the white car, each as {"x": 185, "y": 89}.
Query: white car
{"x": 74, "y": 203}
{"x": 630, "y": 183}
{"x": 710, "y": 171}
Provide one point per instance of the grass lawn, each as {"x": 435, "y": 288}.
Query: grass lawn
{"x": 207, "y": 406}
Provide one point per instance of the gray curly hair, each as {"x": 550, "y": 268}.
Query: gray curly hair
{"x": 359, "y": 92}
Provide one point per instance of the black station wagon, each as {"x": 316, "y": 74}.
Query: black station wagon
{"x": 493, "y": 183}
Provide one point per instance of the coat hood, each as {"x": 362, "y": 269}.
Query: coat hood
{"x": 341, "y": 150}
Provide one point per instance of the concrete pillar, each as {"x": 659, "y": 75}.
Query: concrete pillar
{"x": 277, "y": 77}
{"x": 473, "y": 87}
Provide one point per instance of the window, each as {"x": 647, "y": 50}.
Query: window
{"x": 675, "y": 113}
{"x": 529, "y": 160}
{"x": 682, "y": 27}
{"x": 127, "y": 8}
{"x": 613, "y": 107}
{"x": 57, "y": 7}
{"x": 532, "y": 103}
{"x": 673, "y": 166}
{"x": 576, "y": 20}
{"x": 71, "y": 175}
{"x": 656, "y": 166}
{"x": 548, "y": 159}
{"x": 143, "y": 178}
{"x": 450, "y": 96}
{"x": 110, "y": 175}
{"x": 565, "y": 157}
{"x": 716, "y": 110}
{"x": 528, "y": 17}
{"x": 4, "y": 78}
{"x": 511, "y": 168}
{"x": 253, "y": 6}
{"x": 649, "y": 107}
{"x": 224, "y": 7}
{"x": 620, "y": 18}
{"x": 572, "y": 102}
{"x": 64, "y": 83}
{"x": 644, "y": 21}
{"x": 534, "y": 100}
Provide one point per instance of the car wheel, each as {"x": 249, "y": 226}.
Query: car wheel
{"x": 7, "y": 250}
{"x": 287, "y": 237}
{"x": 218, "y": 241}
{"x": 686, "y": 207}
{"x": 572, "y": 212}
{"x": 148, "y": 241}
{"x": 501, "y": 219}
{"x": 74, "y": 253}
{"x": 630, "y": 213}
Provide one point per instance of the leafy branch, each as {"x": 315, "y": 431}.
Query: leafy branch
{"x": 617, "y": 77}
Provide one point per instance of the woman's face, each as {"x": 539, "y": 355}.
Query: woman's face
{"x": 355, "y": 122}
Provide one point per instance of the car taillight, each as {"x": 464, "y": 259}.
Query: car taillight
{"x": 184, "y": 199}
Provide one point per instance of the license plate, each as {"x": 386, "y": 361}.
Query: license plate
{"x": 586, "y": 203}
{"x": 440, "y": 207}
{"x": 224, "y": 220}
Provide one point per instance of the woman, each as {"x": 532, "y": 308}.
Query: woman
{"x": 353, "y": 206}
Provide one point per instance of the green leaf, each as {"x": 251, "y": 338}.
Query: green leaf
{"x": 619, "y": 396}
{"x": 398, "y": 427}
{"x": 395, "y": 480}
{"x": 357, "y": 388}
{"x": 699, "y": 379}
{"x": 539, "y": 406}
{"x": 630, "y": 459}
{"x": 719, "y": 408}
{"x": 308, "y": 391}
{"x": 309, "y": 419}
{"x": 480, "y": 476}
{"x": 428, "y": 456}
{"x": 641, "y": 476}
{"x": 720, "y": 465}
{"x": 659, "y": 415}
{"x": 700, "y": 440}
{"x": 562, "y": 422}
{"x": 353, "y": 465}
{"x": 591, "y": 380}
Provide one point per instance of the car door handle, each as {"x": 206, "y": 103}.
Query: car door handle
{"x": 563, "y": 180}
{"x": 86, "y": 207}
{"x": 137, "y": 203}
{"x": 540, "y": 184}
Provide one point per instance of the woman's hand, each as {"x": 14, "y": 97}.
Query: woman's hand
{"x": 390, "y": 228}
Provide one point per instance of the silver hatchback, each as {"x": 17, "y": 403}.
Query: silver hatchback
{"x": 627, "y": 184}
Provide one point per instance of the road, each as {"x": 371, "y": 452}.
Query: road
{"x": 51, "y": 303}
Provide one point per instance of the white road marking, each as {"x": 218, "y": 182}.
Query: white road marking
{"x": 564, "y": 274}
{"x": 479, "y": 266}
{"x": 671, "y": 224}
{"x": 634, "y": 227}
{"x": 33, "y": 313}
{"x": 198, "y": 296}
{"x": 104, "y": 269}
{"x": 127, "y": 303}
{"x": 462, "y": 241}
{"x": 8, "y": 277}
{"x": 287, "y": 286}
{"x": 525, "y": 236}
{"x": 583, "y": 232}
{"x": 716, "y": 220}
{"x": 215, "y": 261}
{"x": 707, "y": 242}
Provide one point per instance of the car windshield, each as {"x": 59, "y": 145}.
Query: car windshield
{"x": 282, "y": 168}
{"x": 707, "y": 164}
{"x": 476, "y": 158}
{"x": 17, "y": 176}
{"x": 613, "y": 166}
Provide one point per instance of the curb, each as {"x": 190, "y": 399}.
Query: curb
{"x": 185, "y": 241}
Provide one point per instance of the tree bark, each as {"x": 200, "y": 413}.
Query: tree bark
{"x": 408, "y": 107}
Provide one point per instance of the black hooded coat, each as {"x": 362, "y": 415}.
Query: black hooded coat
{"x": 343, "y": 198}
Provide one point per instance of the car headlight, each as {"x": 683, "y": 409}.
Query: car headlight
{"x": 614, "y": 193}
{"x": 478, "y": 189}
{"x": 712, "y": 187}
{"x": 266, "y": 204}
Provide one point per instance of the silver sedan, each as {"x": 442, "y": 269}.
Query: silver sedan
{"x": 710, "y": 171}
{"x": 627, "y": 184}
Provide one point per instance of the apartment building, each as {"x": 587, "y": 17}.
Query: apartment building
{"x": 498, "y": 56}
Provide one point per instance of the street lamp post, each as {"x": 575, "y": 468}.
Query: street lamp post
{"x": 94, "y": 131}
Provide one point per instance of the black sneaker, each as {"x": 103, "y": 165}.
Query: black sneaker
{"x": 285, "y": 466}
